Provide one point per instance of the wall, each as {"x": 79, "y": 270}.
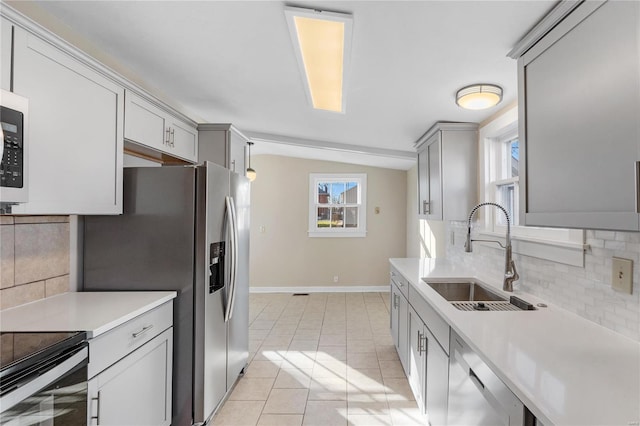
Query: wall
{"x": 34, "y": 258}
{"x": 285, "y": 256}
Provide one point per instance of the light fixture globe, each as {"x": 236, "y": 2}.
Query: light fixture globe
{"x": 251, "y": 174}
{"x": 479, "y": 96}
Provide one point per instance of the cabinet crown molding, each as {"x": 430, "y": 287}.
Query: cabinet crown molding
{"x": 444, "y": 125}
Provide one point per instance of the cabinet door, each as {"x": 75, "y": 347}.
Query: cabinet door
{"x": 434, "y": 177}
{"x": 436, "y": 380}
{"x": 580, "y": 114}
{"x": 395, "y": 306}
{"x": 423, "y": 181}
{"x": 184, "y": 140}
{"x": 403, "y": 332}
{"x": 76, "y": 136}
{"x": 5, "y": 59}
{"x": 417, "y": 367}
{"x": 144, "y": 123}
{"x": 137, "y": 389}
{"x": 236, "y": 150}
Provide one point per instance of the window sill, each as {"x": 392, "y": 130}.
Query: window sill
{"x": 329, "y": 234}
{"x": 555, "y": 251}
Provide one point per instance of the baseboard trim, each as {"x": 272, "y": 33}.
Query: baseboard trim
{"x": 325, "y": 289}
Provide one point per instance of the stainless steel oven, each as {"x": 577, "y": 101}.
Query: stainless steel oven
{"x": 43, "y": 379}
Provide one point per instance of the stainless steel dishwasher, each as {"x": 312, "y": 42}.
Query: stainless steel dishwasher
{"x": 476, "y": 395}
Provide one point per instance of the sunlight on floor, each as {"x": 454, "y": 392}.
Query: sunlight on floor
{"x": 323, "y": 359}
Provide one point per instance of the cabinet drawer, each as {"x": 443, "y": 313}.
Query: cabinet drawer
{"x": 401, "y": 282}
{"x": 436, "y": 325}
{"x": 112, "y": 346}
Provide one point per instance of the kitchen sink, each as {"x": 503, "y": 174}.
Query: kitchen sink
{"x": 471, "y": 296}
{"x": 465, "y": 291}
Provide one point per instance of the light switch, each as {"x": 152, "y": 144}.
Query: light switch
{"x": 263, "y": 229}
{"x": 622, "y": 275}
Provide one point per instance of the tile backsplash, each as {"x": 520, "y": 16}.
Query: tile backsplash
{"x": 585, "y": 291}
{"x": 34, "y": 258}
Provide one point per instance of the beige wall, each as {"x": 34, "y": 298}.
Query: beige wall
{"x": 284, "y": 255}
{"x": 425, "y": 238}
{"x": 34, "y": 258}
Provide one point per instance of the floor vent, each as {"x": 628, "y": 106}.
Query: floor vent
{"x": 300, "y": 294}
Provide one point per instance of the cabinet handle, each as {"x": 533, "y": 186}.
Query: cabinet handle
{"x": 173, "y": 137}
{"x": 395, "y": 301}
{"x": 97, "y": 416}
{"x": 426, "y": 209}
{"x": 144, "y": 330}
{"x": 167, "y": 136}
{"x": 637, "y": 186}
{"x": 422, "y": 343}
{"x": 233, "y": 165}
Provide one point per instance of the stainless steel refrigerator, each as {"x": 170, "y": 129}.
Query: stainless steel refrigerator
{"x": 184, "y": 228}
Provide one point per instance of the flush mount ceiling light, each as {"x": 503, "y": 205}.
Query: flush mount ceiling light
{"x": 479, "y": 96}
{"x": 322, "y": 41}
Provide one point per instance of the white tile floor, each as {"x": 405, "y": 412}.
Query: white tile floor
{"x": 324, "y": 359}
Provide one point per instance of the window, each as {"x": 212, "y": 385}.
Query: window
{"x": 337, "y": 205}
{"x": 505, "y": 183}
{"x": 501, "y": 152}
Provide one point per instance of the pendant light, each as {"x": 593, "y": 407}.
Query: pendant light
{"x": 251, "y": 174}
{"x": 479, "y": 96}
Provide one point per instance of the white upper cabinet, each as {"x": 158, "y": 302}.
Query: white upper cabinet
{"x": 76, "y": 131}
{"x": 5, "y": 51}
{"x": 447, "y": 171}
{"x": 579, "y": 120}
{"x": 223, "y": 144}
{"x": 148, "y": 125}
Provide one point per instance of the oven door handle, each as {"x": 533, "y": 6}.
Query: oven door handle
{"x": 30, "y": 387}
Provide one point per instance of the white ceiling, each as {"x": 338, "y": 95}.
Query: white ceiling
{"x": 233, "y": 62}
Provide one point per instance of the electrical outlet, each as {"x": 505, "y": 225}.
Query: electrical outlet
{"x": 622, "y": 275}
{"x": 335, "y": 278}
{"x": 263, "y": 229}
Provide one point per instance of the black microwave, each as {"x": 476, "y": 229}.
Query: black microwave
{"x": 14, "y": 119}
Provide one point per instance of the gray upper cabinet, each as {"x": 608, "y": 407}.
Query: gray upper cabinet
{"x": 579, "y": 121}
{"x": 76, "y": 135}
{"x": 447, "y": 171}
{"x": 149, "y": 126}
{"x": 5, "y": 59}
{"x": 223, "y": 144}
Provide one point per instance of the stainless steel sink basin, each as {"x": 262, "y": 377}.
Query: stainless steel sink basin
{"x": 465, "y": 291}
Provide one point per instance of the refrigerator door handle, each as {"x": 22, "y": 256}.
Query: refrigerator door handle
{"x": 235, "y": 255}
{"x": 232, "y": 252}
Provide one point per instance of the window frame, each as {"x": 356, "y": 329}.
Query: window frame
{"x": 359, "y": 231}
{"x": 565, "y": 246}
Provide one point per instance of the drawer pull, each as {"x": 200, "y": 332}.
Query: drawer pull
{"x": 97, "y": 416}
{"x": 144, "y": 330}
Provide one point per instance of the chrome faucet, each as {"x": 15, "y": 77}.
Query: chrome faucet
{"x": 510, "y": 273}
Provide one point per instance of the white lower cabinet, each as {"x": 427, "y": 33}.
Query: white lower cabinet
{"x": 134, "y": 360}
{"x": 400, "y": 325}
{"x": 421, "y": 338}
{"x": 428, "y": 370}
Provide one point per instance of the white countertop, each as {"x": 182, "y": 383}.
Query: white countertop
{"x": 565, "y": 369}
{"x": 93, "y": 312}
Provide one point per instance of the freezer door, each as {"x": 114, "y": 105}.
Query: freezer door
{"x": 238, "y": 325}
{"x": 210, "y": 328}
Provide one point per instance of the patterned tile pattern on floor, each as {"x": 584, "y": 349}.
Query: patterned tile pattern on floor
{"x": 323, "y": 359}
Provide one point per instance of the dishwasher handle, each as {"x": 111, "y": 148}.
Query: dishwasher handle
{"x": 476, "y": 380}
